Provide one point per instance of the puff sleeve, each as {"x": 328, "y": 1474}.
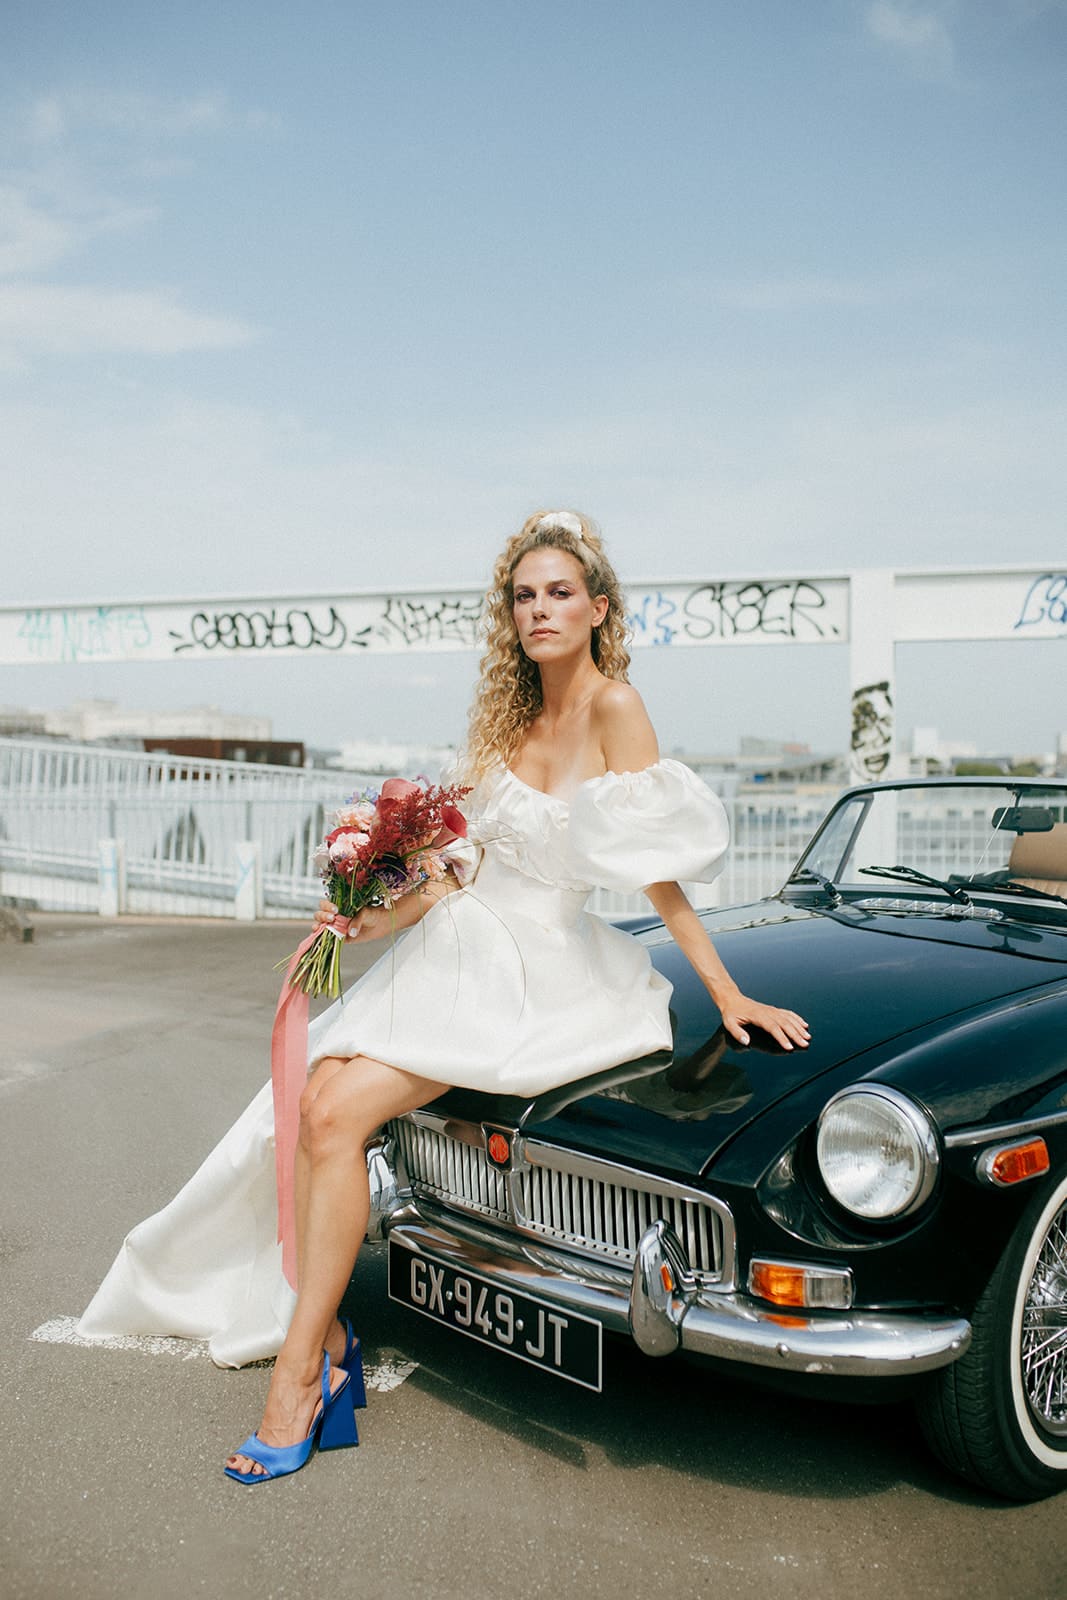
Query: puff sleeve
{"x": 630, "y": 829}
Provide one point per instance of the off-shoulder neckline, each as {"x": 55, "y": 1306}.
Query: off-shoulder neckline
{"x": 557, "y": 799}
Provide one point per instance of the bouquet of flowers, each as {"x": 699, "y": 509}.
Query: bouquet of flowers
{"x": 381, "y": 848}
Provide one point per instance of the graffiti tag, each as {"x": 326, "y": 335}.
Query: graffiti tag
{"x": 1046, "y": 601}
{"x": 419, "y": 623}
{"x": 650, "y": 621}
{"x": 660, "y": 615}
{"x": 784, "y": 610}
{"x": 85, "y": 634}
{"x": 273, "y": 629}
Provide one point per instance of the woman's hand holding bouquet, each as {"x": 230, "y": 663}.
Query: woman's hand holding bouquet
{"x": 382, "y": 850}
{"x": 379, "y": 922}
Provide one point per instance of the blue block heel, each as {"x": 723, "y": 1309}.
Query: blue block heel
{"x": 352, "y": 1362}
{"x": 333, "y": 1427}
{"x": 338, "y": 1430}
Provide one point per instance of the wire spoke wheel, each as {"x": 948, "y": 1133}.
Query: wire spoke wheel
{"x": 1043, "y": 1344}
{"x": 998, "y": 1416}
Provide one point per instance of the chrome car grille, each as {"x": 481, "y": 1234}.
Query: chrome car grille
{"x": 610, "y": 1216}
{"x": 593, "y": 1207}
{"x": 457, "y": 1172}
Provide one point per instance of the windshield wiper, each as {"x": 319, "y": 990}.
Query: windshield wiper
{"x": 833, "y": 893}
{"x": 913, "y": 875}
{"x": 1010, "y": 887}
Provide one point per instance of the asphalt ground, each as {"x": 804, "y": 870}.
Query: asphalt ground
{"x": 126, "y": 1048}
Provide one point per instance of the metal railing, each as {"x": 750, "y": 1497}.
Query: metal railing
{"x": 100, "y": 830}
{"x": 180, "y": 822}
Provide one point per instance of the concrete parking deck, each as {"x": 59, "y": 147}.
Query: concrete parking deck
{"x": 126, "y": 1048}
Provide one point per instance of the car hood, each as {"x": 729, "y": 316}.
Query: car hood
{"x": 860, "y": 980}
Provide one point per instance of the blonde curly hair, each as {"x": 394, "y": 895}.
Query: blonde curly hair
{"x": 508, "y": 694}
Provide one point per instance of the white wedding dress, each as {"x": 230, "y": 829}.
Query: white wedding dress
{"x": 508, "y": 985}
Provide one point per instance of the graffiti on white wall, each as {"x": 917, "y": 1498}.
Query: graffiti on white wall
{"x": 751, "y": 611}
{"x": 872, "y": 729}
{"x": 756, "y": 611}
{"x": 1045, "y": 605}
{"x": 799, "y": 610}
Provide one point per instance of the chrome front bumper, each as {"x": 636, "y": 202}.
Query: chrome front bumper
{"x": 730, "y": 1326}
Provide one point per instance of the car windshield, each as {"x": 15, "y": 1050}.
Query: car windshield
{"x": 986, "y": 837}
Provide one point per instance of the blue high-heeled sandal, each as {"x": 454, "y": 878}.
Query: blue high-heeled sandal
{"x": 333, "y": 1427}
{"x": 352, "y": 1362}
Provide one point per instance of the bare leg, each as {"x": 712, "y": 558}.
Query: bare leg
{"x": 321, "y": 1074}
{"x": 340, "y": 1109}
{"x": 323, "y": 1071}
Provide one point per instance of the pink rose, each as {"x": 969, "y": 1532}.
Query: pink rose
{"x": 347, "y": 846}
{"x": 359, "y": 816}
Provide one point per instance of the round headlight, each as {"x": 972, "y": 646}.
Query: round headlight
{"x": 877, "y": 1152}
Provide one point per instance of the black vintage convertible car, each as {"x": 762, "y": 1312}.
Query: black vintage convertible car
{"x": 890, "y": 1204}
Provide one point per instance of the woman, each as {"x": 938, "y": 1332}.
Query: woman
{"x": 507, "y": 984}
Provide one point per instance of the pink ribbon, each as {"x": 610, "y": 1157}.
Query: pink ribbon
{"x": 288, "y": 1076}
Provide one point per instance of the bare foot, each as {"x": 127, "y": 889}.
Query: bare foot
{"x": 292, "y": 1403}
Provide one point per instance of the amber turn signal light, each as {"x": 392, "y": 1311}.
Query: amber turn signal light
{"x": 773, "y": 1281}
{"x": 1013, "y": 1163}
{"x": 787, "y": 1283}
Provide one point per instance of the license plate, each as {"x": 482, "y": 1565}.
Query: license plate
{"x": 558, "y": 1341}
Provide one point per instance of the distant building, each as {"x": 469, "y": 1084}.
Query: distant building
{"x": 394, "y": 760}
{"x": 264, "y": 752}
{"x": 931, "y": 755}
{"x": 196, "y": 732}
{"x": 18, "y": 722}
{"x": 750, "y": 745}
{"x": 767, "y": 761}
{"x": 87, "y": 721}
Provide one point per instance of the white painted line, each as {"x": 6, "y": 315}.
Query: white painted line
{"x": 387, "y": 1373}
{"x": 64, "y": 1330}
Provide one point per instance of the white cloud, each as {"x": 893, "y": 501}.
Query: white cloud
{"x": 799, "y": 293}
{"x": 77, "y": 320}
{"x": 46, "y": 122}
{"x": 53, "y": 118}
{"x": 806, "y": 293}
{"x": 34, "y": 237}
{"x": 919, "y": 37}
{"x": 29, "y": 237}
{"x": 154, "y": 168}
{"x": 51, "y": 212}
{"x": 83, "y": 320}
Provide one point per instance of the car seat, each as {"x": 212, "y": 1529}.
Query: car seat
{"x": 1039, "y": 860}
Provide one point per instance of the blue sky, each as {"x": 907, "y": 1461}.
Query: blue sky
{"x": 334, "y": 298}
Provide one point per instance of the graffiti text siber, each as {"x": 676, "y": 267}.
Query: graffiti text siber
{"x": 784, "y": 610}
